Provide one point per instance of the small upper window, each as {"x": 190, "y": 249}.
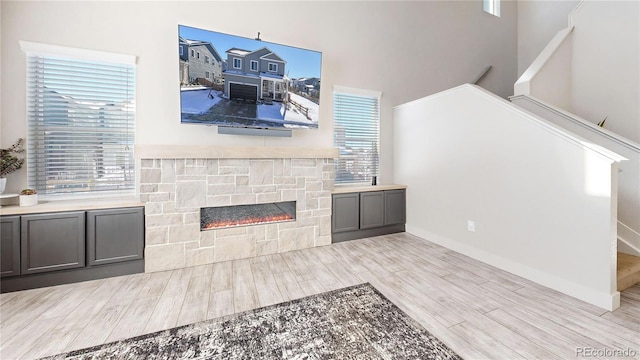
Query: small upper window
{"x": 491, "y": 6}
{"x": 273, "y": 67}
{"x": 254, "y": 65}
{"x": 206, "y": 59}
{"x": 193, "y": 53}
{"x": 237, "y": 63}
{"x": 181, "y": 50}
{"x": 198, "y": 55}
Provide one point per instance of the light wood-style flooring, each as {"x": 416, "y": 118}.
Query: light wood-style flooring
{"x": 479, "y": 311}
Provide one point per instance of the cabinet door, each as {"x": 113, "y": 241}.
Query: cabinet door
{"x": 10, "y": 246}
{"x": 345, "y": 213}
{"x": 52, "y": 241}
{"x": 371, "y": 209}
{"x": 395, "y": 207}
{"x": 115, "y": 235}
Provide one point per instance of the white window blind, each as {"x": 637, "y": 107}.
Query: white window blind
{"x": 356, "y": 116}
{"x": 81, "y": 122}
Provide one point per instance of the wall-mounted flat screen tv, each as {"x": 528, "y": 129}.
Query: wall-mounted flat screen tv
{"x": 234, "y": 81}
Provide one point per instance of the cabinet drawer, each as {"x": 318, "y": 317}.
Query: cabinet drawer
{"x": 345, "y": 212}
{"x": 10, "y": 246}
{"x": 371, "y": 209}
{"x": 115, "y": 235}
{"x": 52, "y": 241}
{"x": 395, "y": 207}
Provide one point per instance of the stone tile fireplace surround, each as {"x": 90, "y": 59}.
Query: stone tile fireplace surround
{"x": 176, "y": 181}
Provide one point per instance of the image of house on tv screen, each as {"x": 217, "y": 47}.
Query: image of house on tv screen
{"x": 234, "y": 81}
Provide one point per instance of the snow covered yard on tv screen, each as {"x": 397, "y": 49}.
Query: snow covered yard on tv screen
{"x": 202, "y": 105}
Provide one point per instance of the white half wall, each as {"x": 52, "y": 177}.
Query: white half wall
{"x": 543, "y": 201}
{"x": 406, "y": 50}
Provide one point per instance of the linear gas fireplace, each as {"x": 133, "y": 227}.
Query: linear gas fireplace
{"x": 243, "y": 215}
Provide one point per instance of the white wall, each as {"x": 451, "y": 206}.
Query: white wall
{"x": 538, "y": 22}
{"x": 544, "y": 205}
{"x": 404, "y": 49}
{"x": 606, "y": 65}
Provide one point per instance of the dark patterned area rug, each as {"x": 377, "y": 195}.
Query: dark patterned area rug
{"x": 357, "y": 322}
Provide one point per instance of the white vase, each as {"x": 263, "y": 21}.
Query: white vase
{"x": 28, "y": 200}
{"x": 3, "y": 184}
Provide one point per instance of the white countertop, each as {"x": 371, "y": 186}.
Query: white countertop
{"x": 44, "y": 206}
{"x": 344, "y": 189}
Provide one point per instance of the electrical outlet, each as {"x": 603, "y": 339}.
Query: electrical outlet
{"x": 471, "y": 225}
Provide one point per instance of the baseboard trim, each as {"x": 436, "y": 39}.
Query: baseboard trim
{"x": 607, "y": 301}
{"x": 359, "y": 234}
{"x": 24, "y": 282}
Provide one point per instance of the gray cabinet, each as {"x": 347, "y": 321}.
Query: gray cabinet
{"x": 53, "y": 241}
{"x": 115, "y": 235}
{"x": 45, "y": 249}
{"x": 365, "y": 214}
{"x": 371, "y": 209}
{"x": 395, "y": 205}
{"x": 346, "y": 210}
{"x": 10, "y": 246}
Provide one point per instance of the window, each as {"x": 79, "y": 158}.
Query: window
{"x": 181, "y": 50}
{"x": 273, "y": 67}
{"x": 254, "y": 65}
{"x": 193, "y": 53}
{"x": 491, "y": 6}
{"x": 206, "y": 59}
{"x": 237, "y": 63}
{"x": 206, "y": 74}
{"x": 80, "y": 121}
{"x": 198, "y": 55}
{"x": 356, "y": 115}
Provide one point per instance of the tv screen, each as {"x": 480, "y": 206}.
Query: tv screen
{"x": 235, "y": 81}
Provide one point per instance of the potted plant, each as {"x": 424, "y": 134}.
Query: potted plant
{"x": 28, "y": 197}
{"x": 9, "y": 162}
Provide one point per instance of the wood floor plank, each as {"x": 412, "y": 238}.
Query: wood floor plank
{"x": 92, "y": 304}
{"x": 266, "y": 285}
{"x": 491, "y": 347}
{"x": 134, "y": 320}
{"x": 339, "y": 271}
{"x": 101, "y": 325}
{"x": 222, "y": 276}
{"x": 220, "y": 304}
{"x": 71, "y": 300}
{"x": 18, "y": 314}
{"x": 277, "y": 263}
{"x": 167, "y": 310}
{"x": 311, "y": 287}
{"x": 196, "y": 300}
{"x": 244, "y": 289}
{"x": 288, "y": 286}
{"x": 508, "y": 337}
{"x": 535, "y": 334}
{"x": 51, "y": 343}
{"x": 16, "y": 345}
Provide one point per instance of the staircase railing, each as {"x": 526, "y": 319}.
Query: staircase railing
{"x": 481, "y": 75}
